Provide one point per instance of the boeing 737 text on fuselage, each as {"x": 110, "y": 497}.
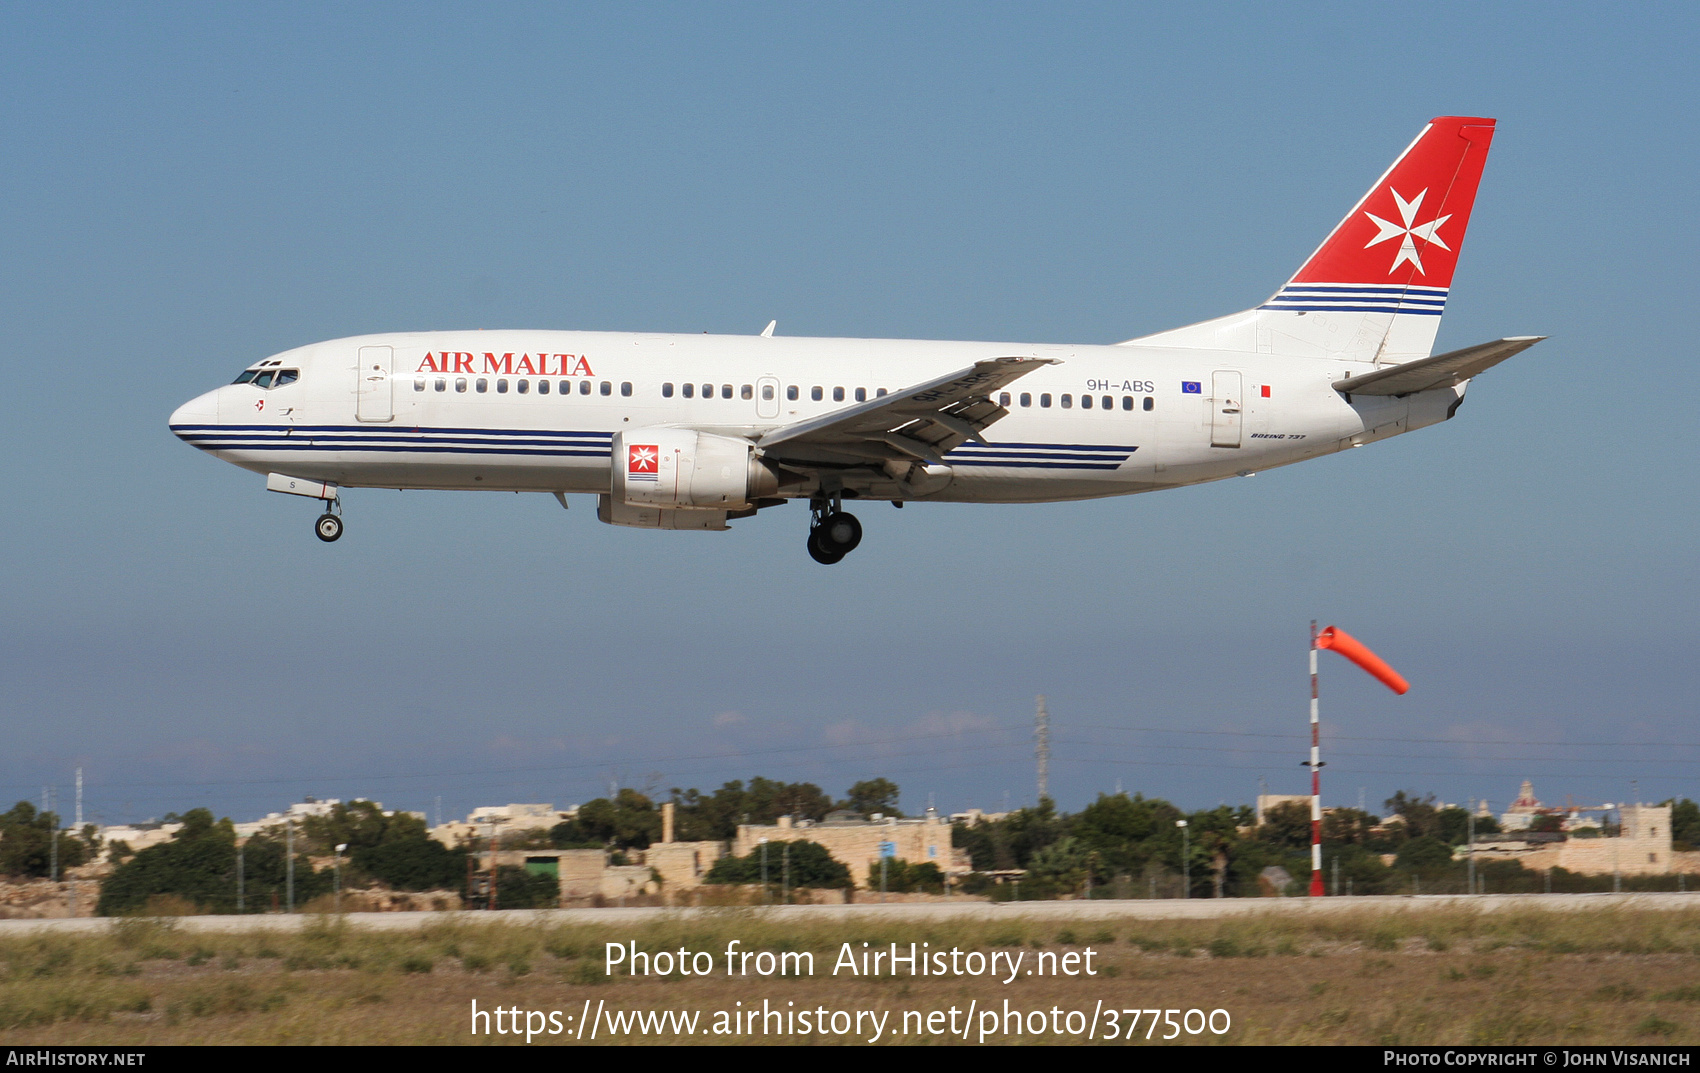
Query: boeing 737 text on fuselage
{"x": 693, "y": 431}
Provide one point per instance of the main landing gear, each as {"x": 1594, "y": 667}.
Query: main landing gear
{"x": 329, "y": 526}
{"x": 833, "y": 533}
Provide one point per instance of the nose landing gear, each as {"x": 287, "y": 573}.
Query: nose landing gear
{"x": 833, "y": 533}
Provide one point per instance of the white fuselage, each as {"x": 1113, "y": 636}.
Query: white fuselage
{"x": 466, "y": 410}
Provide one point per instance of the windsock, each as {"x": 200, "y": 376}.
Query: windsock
{"x": 1355, "y": 650}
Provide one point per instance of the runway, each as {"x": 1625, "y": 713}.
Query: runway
{"x": 1105, "y": 909}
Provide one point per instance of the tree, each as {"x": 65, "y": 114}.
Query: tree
{"x": 901, "y": 877}
{"x": 707, "y": 817}
{"x": 629, "y": 821}
{"x": 199, "y": 865}
{"x": 1684, "y": 824}
{"x": 1347, "y": 826}
{"x": 420, "y": 863}
{"x": 518, "y": 888}
{"x": 1424, "y": 854}
{"x": 358, "y": 824}
{"x": 1062, "y": 864}
{"x": 1287, "y": 825}
{"x": 1418, "y": 814}
{"x": 811, "y": 866}
{"x": 26, "y": 843}
{"x": 873, "y": 795}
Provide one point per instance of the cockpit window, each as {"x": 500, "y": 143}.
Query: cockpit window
{"x": 268, "y": 378}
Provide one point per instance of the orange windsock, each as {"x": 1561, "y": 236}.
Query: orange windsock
{"x": 1356, "y": 651}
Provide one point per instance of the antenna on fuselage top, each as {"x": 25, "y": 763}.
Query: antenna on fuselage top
{"x": 767, "y": 332}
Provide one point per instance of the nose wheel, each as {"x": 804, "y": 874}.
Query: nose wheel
{"x": 328, "y": 528}
{"x": 833, "y": 533}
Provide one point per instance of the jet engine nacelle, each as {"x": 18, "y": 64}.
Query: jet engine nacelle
{"x": 681, "y": 469}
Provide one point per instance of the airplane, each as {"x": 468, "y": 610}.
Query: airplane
{"x": 691, "y": 432}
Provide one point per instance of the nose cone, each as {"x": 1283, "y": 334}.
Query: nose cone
{"x": 194, "y": 415}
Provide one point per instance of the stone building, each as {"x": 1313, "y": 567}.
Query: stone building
{"x": 859, "y": 843}
{"x": 1642, "y": 848}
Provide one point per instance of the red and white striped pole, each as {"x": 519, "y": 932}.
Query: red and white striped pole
{"x": 1316, "y": 890}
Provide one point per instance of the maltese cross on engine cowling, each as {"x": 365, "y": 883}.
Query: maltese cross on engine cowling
{"x": 1405, "y": 231}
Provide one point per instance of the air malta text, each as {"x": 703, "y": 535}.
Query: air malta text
{"x": 461, "y": 361}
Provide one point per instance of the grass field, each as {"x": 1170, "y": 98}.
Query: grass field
{"x": 1594, "y": 976}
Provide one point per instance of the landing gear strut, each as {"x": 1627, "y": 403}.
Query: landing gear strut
{"x": 833, "y": 533}
{"x": 329, "y": 526}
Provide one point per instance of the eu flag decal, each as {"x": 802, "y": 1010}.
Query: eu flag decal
{"x": 1191, "y": 387}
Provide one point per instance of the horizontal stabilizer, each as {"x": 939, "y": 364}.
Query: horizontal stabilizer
{"x": 1442, "y": 370}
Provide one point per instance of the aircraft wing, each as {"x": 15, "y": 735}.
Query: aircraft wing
{"x": 917, "y": 425}
{"x": 1442, "y": 370}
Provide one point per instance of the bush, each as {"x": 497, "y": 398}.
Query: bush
{"x": 517, "y": 888}
{"x": 811, "y": 866}
{"x": 414, "y": 864}
{"x": 901, "y": 877}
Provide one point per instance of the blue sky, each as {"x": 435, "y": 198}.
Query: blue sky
{"x": 192, "y": 187}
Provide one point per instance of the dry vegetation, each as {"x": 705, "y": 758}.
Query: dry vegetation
{"x": 1437, "y": 976}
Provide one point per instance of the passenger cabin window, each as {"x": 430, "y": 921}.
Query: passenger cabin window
{"x": 667, "y": 391}
{"x": 441, "y": 384}
{"x": 1148, "y": 402}
{"x": 708, "y": 391}
{"x": 861, "y": 394}
{"x": 1085, "y": 402}
{"x": 837, "y": 394}
{"x": 1045, "y": 400}
{"x": 689, "y": 391}
{"x": 746, "y": 392}
{"x": 880, "y": 394}
{"x": 1067, "y": 402}
{"x": 419, "y": 383}
{"x": 725, "y": 391}
{"x": 626, "y": 389}
{"x": 1109, "y": 403}
{"x": 501, "y": 386}
{"x": 584, "y": 387}
{"x": 607, "y": 387}
{"x": 791, "y": 392}
{"x": 524, "y": 386}
{"x": 767, "y": 392}
{"x": 543, "y": 387}
{"x": 1003, "y": 399}
{"x": 481, "y": 385}
{"x": 460, "y": 384}
{"x": 565, "y": 387}
{"x": 1127, "y": 402}
{"x": 1026, "y": 399}
{"x": 815, "y": 393}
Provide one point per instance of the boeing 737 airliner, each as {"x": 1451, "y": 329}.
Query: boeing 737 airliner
{"x": 691, "y": 431}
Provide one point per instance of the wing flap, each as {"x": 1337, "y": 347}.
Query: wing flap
{"x": 1442, "y": 370}
{"x": 924, "y": 422}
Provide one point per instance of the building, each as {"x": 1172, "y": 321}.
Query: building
{"x": 1643, "y": 847}
{"x": 1267, "y": 802}
{"x": 501, "y": 821}
{"x": 138, "y": 836}
{"x": 859, "y": 844}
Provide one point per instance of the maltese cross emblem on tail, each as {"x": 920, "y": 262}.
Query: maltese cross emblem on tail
{"x": 1405, "y": 231}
